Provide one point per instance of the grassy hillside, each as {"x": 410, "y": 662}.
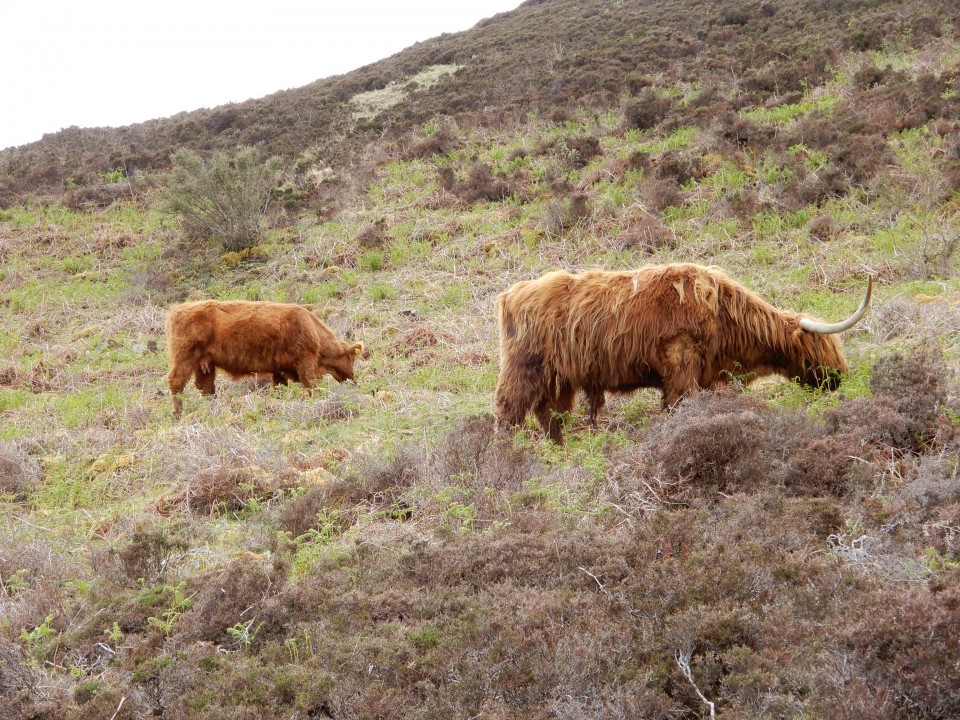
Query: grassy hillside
{"x": 375, "y": 551}
{"x": 551, "y": 57}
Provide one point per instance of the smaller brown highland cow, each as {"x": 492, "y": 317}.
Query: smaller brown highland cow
{"x": 287, "y": 342}
{"x": 675, "y": 327}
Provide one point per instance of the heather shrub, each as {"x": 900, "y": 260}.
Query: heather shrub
{"x": 869, "y": 75}
{"x": 645, "y": 111}
{"x": 646, "y": 234}
{"x": 745, "y": 203}
{"x": 922, "y": 487}
{"x": 680, "y": 167}
{"x": 225, "y": 198}
{"x": 32, "y": 587}
{"x": 917, "y": 385}
{"x": 230, "y": 598}
{"x": 822, "y": 228}
{"x": 862, "y": 156}
{"x": 231, "y": 487}
{"x": 888, "y": 428}
{"x": 906, "y": 646}
{"x": 441, "y": 142}
{"x": 481, "y": 184}
{"x": 473, "y": 456}
{"x": 17, "y": 678}
{"x": 659, "y": 194}
{"x": 581, "y": 150}
{"x": 715, "y": 440}
{"x": 823, "y": 466}
{"x": 377, "y": 483}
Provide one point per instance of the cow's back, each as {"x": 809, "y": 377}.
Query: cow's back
{"x": 607, "y": 327}
{"x": 243, "y": 336}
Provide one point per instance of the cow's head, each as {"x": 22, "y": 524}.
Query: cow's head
{"x": 340, "y": 365}
{"x": 818, "y": 360}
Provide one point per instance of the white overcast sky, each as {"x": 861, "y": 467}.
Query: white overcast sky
{"x": 96, "y": 63}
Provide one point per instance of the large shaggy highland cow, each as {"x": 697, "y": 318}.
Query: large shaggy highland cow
{"x": 675, "y": 327}
{"x": 287, "y": 342}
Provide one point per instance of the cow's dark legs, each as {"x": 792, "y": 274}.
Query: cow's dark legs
{"x": 549, "y": 411}
{"x": 596, "y": 399}
{"x": 279, "y": 378}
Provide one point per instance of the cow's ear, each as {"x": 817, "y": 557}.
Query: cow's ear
{"x": 358, "y": 349}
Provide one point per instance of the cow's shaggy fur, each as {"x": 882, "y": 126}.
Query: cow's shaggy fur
{"x": 283, "y": 341}
{"x": 675, "y": 327}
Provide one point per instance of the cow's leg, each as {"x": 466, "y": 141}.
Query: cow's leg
{"x": 279, "y": 378}
{"x": 305, "y": 374}
{"x": 177, "y": 378}
{"x": 206, "y": 380}
{"x": 549, "y": 411}
{"x": 596, "y": 399}
{"x": 519, "y": 386}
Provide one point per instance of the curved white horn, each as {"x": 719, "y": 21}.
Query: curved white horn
{"x": 823, "y": 328}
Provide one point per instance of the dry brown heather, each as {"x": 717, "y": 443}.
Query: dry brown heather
{"x": 375, "y": 551}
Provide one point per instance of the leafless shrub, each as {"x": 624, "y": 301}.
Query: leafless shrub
{"x": 822, "y": 228}
{"x": 564, "y": 214}
{"x": 19, "y": 470}
{"x": 374, "y": 235}
{"x": 147, "y": 554}
{"x": 913, "y": 318}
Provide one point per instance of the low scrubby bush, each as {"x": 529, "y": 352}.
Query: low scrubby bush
{"x": 19, "y": 471}
{"x": 225, "y": 198}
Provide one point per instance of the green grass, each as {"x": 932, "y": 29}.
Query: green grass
{"x": 788, "y": 112}
{"x": 676, "y": 140}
